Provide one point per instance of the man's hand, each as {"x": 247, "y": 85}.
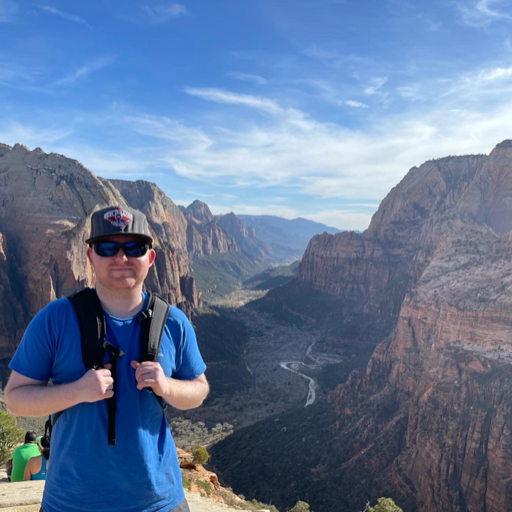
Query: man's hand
{"x": 182, "y": 394}
{"x": 96, "y": 385}
{"x": 30, "y": 397}
{"x": 149, "y": 374}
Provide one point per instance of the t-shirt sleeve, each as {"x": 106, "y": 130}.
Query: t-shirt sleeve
{"x": 189, "y": 363}
{"x": 35, "y": 353}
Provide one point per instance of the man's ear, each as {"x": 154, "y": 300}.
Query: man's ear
{"x": 88, "y": 252}
{"x": 152, "y": 256}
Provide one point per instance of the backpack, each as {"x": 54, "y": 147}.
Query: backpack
{"x": 91, "y": 321}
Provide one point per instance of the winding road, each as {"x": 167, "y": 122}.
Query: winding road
{"x": 320, "y": 359}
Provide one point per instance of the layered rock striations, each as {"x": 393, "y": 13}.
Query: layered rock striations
{"x": 376, "y": 268}
{"x": 45, "y": 201}
{"x": 443, "y": 442}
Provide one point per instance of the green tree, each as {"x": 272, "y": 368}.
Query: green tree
{"x": 300, "y": 506}
{"x": 383, "y": 505}
{"x": 10, "y": 435}
{"x": 200, "y": 454}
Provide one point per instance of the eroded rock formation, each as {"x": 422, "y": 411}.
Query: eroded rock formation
{"x": 429, "y": 419}
{"x": 45, "y": 201}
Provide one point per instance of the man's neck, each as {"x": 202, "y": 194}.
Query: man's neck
{"x": 120, "y": 303}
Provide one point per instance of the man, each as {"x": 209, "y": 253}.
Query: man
{"x": 140, "y": 473}
{"x": 21, "y": 454}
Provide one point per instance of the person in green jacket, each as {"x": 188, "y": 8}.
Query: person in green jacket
{"x": 21, "y": 455}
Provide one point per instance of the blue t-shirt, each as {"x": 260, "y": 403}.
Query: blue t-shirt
{"x": 140, "y": 473}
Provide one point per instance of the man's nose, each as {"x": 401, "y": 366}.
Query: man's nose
{"x": 121, "y": 255}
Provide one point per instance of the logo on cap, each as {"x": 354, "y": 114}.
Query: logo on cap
{"x": 118, "y": 217}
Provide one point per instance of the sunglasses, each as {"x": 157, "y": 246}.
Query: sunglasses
{"x": 132, "y": 249}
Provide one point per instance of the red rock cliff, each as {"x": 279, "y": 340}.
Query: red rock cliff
{"x": 45, "y": 200}
{"x": 443, "y": 441}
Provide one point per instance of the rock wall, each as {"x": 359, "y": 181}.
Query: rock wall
{"x": 446, "y": 370}
{"x": 45, "y": 202}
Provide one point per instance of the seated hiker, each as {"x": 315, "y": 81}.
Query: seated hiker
{"x": 21, "y": 454}
{"x": 36, "y": 466}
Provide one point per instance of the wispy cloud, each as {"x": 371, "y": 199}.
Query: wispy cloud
{"x": 223, "y": 96}
{"x": 13, "y": 73}
{"x": 410, "y": 92}
{"x": 489, "y": 82}
{"x": 64, "y": 15}
{"x": 356, "y": 104}
{"x": 162, "y": 13}
{"x": 84, "y": 71}
{"x": 375, "y": 84}
{"x": 12, "y": 132}
{"x": 247, "y": 77}
{"x": 169, "y": 130}
{"x": 482, "y": 13}
{"x": 8, "y": 10}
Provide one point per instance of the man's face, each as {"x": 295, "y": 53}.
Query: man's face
{"x": 120, "y": 272}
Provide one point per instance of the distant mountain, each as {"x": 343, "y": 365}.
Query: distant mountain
{"x": 288, "y": 238}
{"x": 224, "y": 250}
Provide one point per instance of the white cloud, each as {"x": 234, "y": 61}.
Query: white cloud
{"x": 482, "y": 83}
{"x": 481, "y": 14}
{"x": 64, "y": 15}
{"x": 169, "y": 130}
{"x": 247, "y": 77}
{"x": 223, "y": 96}
{"x": 496, "y": 73}
{"x": 83, "y": 71}
{"x": 164, "y": 12}
{"x": 410, "y": 92}
{"x": 8, "y": 10}
{"x": 291, "y": 151}
{"x": 12, "y": 132}
{"x": 375, "y": 84}
{"x": 352, "y": 103}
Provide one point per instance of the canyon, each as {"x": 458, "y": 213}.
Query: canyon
{"x": 426, "y": 419}
{"x": 410, "y": 320}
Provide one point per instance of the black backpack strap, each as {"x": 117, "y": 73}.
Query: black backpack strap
{"x": 48, "y": 426}
{"x": 91, "y": 321}
{"x": 152, "y": 322}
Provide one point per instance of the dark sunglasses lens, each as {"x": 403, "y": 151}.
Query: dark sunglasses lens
{"x": 106, "y": 249}
{"x": 135, "y": 249}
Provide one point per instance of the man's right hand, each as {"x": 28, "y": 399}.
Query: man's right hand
{"x": 96, "y": 385}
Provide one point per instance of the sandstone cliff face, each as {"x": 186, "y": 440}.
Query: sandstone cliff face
{"x": 446, "y": 371}
{"x": 45, "y": 201}
{"x": 377, "y": 267}
{"x": 204, "y": 234}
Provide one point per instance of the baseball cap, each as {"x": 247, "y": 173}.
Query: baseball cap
{"x": 119, "y": 220}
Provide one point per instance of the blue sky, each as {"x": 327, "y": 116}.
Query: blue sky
{"x": 312, "y": 108}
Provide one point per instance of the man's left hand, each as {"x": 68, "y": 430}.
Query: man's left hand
{"x": 149, "y": 374}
